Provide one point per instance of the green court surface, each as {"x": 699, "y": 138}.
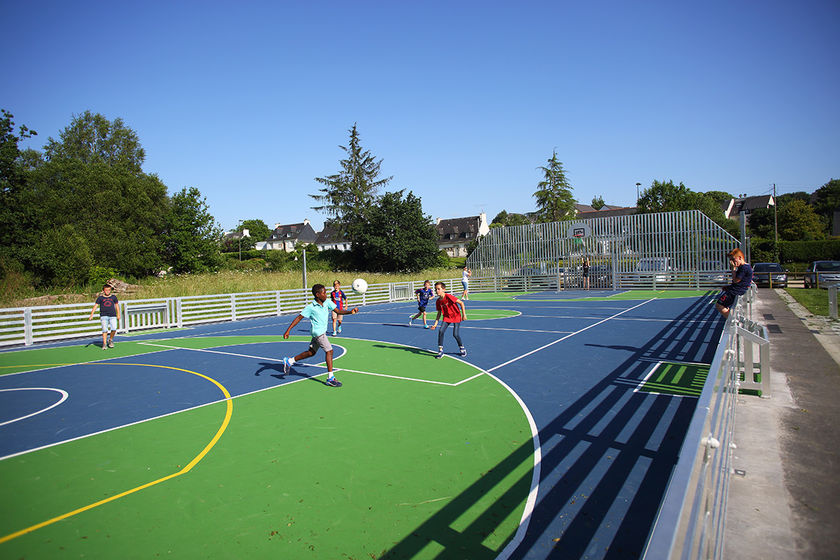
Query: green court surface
{"x": 480, "y": 314}
{"x": 293, "y": 471}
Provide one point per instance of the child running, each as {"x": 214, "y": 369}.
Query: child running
{"x": 318, "y": 313}
{"x": 109, "y": 315}
{"x": 423, "y": 295}
{"x": 742, "y": 274}
{"x": 339, "y": 298}
{"x": 454, "y": 312}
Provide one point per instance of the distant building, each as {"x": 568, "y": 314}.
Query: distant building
{"x": 286, "y": 237}
{"x": 735, "y": 206}
{"x": 455, "y": 234}
{"x": 606, "y": 211}
{"x": 330, "y": 238}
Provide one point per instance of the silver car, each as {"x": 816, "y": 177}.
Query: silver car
{"x": 822, "y": 273}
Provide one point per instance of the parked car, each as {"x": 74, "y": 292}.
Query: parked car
{"x": 766, "y": 275}
{"x": 822, "y": 273}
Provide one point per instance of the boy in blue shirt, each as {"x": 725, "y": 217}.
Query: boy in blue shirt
{"x": 742, "y": 274}
{"x": 423, "y": 295}
{"x": 318, "y": 312}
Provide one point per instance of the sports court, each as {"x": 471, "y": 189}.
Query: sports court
{"x": 553, "y": 438}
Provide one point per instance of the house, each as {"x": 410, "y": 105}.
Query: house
{"x": 606, "y": 211}
{"x": 329, "y": 238}
{"x": 735, "y": 206}
{"x": 455, "y": 234}
{"x": 286, "y": 237}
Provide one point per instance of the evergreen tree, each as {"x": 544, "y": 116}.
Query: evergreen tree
{"x": 554, "y": 195}
{"x": 348, "y": 195}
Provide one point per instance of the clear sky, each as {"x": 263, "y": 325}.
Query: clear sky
{"x": 461, "y": 100}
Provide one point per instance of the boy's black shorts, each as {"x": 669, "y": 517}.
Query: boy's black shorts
{"x": 727, "y": 300}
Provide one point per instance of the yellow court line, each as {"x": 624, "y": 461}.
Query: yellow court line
{"x": 185, "y": 470}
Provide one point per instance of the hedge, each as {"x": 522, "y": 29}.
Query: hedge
{"x": 796, "y": 251}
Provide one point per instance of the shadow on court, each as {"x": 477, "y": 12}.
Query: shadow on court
{"x": 277, "y": 368}
{"x": 416, "y": 351}
{"x": 606, "y": 462}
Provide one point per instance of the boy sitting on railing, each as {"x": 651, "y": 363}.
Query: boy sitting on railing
{"x": 742, "y": 274}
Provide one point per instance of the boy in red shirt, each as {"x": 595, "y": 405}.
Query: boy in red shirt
{"x": 454, "y": 312}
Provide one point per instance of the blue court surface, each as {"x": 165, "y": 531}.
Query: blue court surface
{"x": 600, "y": 450}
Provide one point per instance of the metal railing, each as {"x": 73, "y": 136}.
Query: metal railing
{"x": 46, "y": 323}
{"x": 691, "y": 520}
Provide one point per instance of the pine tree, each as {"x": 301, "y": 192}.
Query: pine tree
{"x": 349, "y": 194}
{"x": 554, "y": 197}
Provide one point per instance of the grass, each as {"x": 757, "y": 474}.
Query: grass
{"x": 222, "y": 282}
{"x": 814, "y": 300}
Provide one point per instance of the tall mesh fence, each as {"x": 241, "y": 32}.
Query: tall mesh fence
{"x": 669, "y": 249}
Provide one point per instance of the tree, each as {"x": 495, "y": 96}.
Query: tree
{"x": 721, "y": 197}
{"x": 257, "y": 230}
{"x": 799, "y": 222}
{"x": 597, "y": 202}
{"x": 120, "y": 211}
{"x": 554, "y": 195}
{"x": 12, "y": 183}
{"x": 348, "y": 195}
{"x": 664, "y": 197}
{"x": 396, "y": 237}
{"x": 827, "y": 200}
{"x": 505, "y": 219}
{"x": 191, "y": 239}
{"x": 92, "y": 138}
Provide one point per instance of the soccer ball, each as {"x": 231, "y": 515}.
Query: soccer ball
{"x": 359, "y": 286}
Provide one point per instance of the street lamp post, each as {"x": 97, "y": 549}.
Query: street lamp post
{"x": 637, "y": 193}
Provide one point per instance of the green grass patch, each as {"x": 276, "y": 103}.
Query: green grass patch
{"x": 814, "y": 300}
{"x": 676, "y": 379}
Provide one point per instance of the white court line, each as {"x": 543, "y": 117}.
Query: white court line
{"x": 567, "y": 336}
{"x": 640, "y": 319}
{"x": 61, "y": 400}
{"x": 311, "y": 365}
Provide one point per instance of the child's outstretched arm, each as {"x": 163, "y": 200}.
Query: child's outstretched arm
{"x": 437, "y": 319}
{"x": 463, "y": 309}
{"x": 294, "y": 322}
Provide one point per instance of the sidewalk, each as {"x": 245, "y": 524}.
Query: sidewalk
{"x": 786, "y": 505}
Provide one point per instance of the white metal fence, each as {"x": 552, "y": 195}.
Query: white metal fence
{"x": 30, "y": 325}
{"x": 692, "y": 518}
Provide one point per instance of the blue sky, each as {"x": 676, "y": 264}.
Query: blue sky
{"x": 462, "y": 101}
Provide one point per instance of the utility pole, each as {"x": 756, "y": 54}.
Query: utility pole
{"x": 637, "y": 193}
{"x": 775, "y": 223}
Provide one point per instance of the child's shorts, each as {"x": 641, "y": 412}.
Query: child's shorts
{"x": 421, "y": 307}
{"x": 109, "y": 324}
{"x": 320, "y": 341}
{"x": 727, "y": 300}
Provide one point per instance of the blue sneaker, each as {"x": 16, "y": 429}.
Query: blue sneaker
{"x": 439, "y": 355}
{"x": 463, "y": 351}
{"x": 425, "y": 326}
{"x": 286, "y": 366}
{"x": 339, "y": 329}
{"x": 333, "y": 382}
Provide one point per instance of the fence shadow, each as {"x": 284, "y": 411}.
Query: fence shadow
{"x": 606, "y": 462}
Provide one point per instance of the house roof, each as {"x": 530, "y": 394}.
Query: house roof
{"x": 455, "y": 229}
{"x": 609, "y": 211}
{"x": 748, "y": 204}
{"x": 293, "y": 232}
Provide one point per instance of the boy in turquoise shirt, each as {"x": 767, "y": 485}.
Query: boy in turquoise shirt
{"x": 318, "y": 313}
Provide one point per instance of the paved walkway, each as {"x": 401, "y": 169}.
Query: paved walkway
{"x": 786, "y": 505}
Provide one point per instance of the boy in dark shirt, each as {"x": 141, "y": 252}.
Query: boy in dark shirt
{"x": 109, "y": 315}
{"x": 742, "y": 274}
